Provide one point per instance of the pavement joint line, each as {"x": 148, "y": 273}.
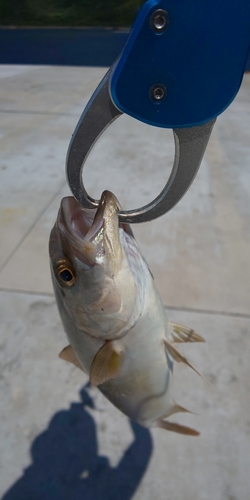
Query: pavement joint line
{"x": 27, "y": 292}
{"x": 208, "y": 311}
{"x": 173, "y": 308}
{"x": 50, "y": 113}
{"x": 12, "y": 253}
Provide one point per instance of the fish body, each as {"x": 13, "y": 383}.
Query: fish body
{"x": 112, "y": 313}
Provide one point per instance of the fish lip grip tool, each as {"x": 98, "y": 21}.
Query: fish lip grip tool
{"x": 181, "y": 67}
{"x": 190, "y": 144}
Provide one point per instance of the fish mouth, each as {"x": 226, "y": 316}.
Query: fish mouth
{"x": 74, "y": 220}
{"x": 86, "y": 229}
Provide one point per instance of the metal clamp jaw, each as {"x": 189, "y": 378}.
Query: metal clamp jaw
{"x": 180, "y": 68}
{"x": 100, "y": 112}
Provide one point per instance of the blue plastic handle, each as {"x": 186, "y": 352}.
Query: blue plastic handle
{"x": 198, "y": 60}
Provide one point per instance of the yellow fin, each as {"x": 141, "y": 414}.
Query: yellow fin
{"x": 177, "y": 356}
{"x": 68, "y": 354}
{"x": 181, "y": 429}
{"x": 106, "y": 364}
{"x": 181, "y": 333}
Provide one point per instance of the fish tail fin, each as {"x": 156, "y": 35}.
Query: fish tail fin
{"x": 180, "y": 429}
{"x": 181, "y": 333}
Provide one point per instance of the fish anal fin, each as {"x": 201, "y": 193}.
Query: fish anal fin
{"x": 175, "y": 408}
{"x": 181, "y": 333}
{"x": 106, "y": 364}
{"x": 181, "y": 429}
{"x": 68, "y": 354}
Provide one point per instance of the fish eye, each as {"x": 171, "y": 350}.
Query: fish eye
{"x": 66, "y": 274}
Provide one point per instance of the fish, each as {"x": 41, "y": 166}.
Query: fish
{"x": 112, "y": 313}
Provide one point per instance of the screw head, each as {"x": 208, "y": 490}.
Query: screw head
{"x": 159, "y": 20}
{"x": 158, "y": 92}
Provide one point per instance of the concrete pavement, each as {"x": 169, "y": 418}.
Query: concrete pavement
{"x": 199, "y": 254}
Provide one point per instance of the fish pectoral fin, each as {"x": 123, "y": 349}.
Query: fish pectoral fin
{"x": 181, "y": 429}
{"x": 177, "y": 356}
{"x": 68, "y": 354}
{"x": 181, "y": 333}
{"x": 106, "y": 363}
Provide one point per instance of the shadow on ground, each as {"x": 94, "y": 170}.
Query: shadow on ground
{"x": 66, "y": 464}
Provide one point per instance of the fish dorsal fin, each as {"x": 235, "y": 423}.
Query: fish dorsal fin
{"x": 106, "y": 363}
{"x": 68, "y": 354}
{"x": 181, "y": 333}
{"x": 181, "y": 429}
{"x": 175, "y": 408}
{"x": 177, "y": 356}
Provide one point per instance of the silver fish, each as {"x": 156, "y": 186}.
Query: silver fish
{"x": 113, "y": 315}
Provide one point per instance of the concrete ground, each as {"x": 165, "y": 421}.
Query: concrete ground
{"x": 53, "y": 446}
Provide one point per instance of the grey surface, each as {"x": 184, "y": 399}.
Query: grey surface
{"x": 199, "y": 254}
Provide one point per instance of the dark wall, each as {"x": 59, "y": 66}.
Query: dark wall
{"x": 63, "y": 46}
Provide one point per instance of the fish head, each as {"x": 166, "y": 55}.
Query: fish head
{"x": 93, "y": 268}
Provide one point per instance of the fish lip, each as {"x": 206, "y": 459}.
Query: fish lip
{"x": 81, "y": 226}
{"x": 82, "y": 223}
{"x": 108, "y": 208}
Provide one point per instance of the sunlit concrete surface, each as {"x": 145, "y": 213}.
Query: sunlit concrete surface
{"x": 199, "y": 254}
